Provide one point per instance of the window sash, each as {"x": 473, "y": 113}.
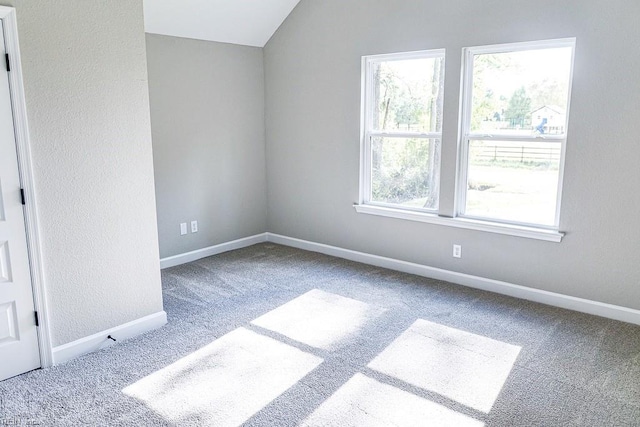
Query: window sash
{"x": 367, "y": 182}
{"x": 368, "y": 81}
{"x": 463, "y": 183}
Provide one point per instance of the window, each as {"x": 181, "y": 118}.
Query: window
{"x": 402, "y": 129}
{"x": 510, "y": 146}
{"x": 514, "y": 131}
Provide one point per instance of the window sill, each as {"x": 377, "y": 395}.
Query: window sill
{"x": 470, "y": 224}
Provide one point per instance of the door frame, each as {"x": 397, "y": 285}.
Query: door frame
{"x": 25, "y": 167}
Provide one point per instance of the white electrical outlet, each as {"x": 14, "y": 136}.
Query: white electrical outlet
{"x": 194, "y": 226}
{"x": 183, "y": 228}
{"x": 457, "y": 251}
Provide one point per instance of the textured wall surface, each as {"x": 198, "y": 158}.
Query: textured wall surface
{"x": 312, "y": 69}
{"x": 207, "y": 117}
{"x": 85, "y": 77}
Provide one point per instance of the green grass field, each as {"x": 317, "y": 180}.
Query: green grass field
{"x": 512, "y": 192}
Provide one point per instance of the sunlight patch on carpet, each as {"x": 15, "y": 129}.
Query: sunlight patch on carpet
{"x": 465, "y": 367}
{"x": 363, "y": 401}
{"x": 320, "y": 319}
{"x": 226, "y": 382}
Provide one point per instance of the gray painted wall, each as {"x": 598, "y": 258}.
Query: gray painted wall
{"x": 85, "y": 80}
{"x": 312, "y": 71}
{"x": 207, "y": 116}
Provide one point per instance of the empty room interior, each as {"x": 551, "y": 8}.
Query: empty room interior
{"x": 319, "y": 213}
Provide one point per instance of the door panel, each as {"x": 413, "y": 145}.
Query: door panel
{"x": 18, "y": 333}
{"x": 8, "y": 326}
{"x": 5, "y": 263}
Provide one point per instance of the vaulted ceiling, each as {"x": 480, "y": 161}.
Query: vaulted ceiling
{"x": 245, "y": 22}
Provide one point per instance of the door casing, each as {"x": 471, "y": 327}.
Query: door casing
{"x": 25, "y": 167}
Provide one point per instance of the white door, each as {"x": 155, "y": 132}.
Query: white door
{"x": 18, "y": 334}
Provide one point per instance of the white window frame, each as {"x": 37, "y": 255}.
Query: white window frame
{"x": 456, "y": 218}
{"x": 368, "y": 110}
{"x": 466, "y": 135}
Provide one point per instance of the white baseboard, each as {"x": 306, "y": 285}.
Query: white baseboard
{"x": 550, "y": 298}
{"x": 212, "y": 250}
{"x": 66, "y": 352}
{"x": 596, "y": 308}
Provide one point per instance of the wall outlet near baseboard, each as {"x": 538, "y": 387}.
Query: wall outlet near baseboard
{"x": 194, "y": 226}
{"x": 183, "y": 228}
{"x": 457, "y": 251}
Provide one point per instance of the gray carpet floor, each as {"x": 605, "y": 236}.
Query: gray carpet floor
{"x": 270, "y": 335}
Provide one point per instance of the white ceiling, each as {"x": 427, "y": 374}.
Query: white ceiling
{"x": 246, "y": 22}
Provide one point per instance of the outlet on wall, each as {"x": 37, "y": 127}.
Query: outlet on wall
{"x": 194, "y": 226}
{"x": 457, "y": 251}
{"x": 183, "y": 228}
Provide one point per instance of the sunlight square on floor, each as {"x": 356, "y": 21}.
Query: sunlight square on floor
{"x": 467, "y": 368}
{"x": 363, "y": 401}
{"x": 319, "y": 319}
{"x": 226, "y": 382}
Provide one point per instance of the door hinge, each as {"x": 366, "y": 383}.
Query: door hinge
{"x": 24, "y": 201}
{"x": 6, "y": 58}
{"x": 37, "y": 320}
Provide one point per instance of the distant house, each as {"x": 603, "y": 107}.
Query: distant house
{"x": 549, "y": 119}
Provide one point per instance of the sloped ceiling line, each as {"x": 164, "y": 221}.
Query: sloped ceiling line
{"x": 244, "y": 22}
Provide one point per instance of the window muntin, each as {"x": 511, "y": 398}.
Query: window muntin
{"x": 402, "y": 129}
{"x": 515, "y": 109}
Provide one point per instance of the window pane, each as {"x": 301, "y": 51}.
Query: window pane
{"x": 408, "y": 95}
{"x": 521, "y": 93}
{"x": 405, "y": 171}
{"x": 513, "y": 181}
